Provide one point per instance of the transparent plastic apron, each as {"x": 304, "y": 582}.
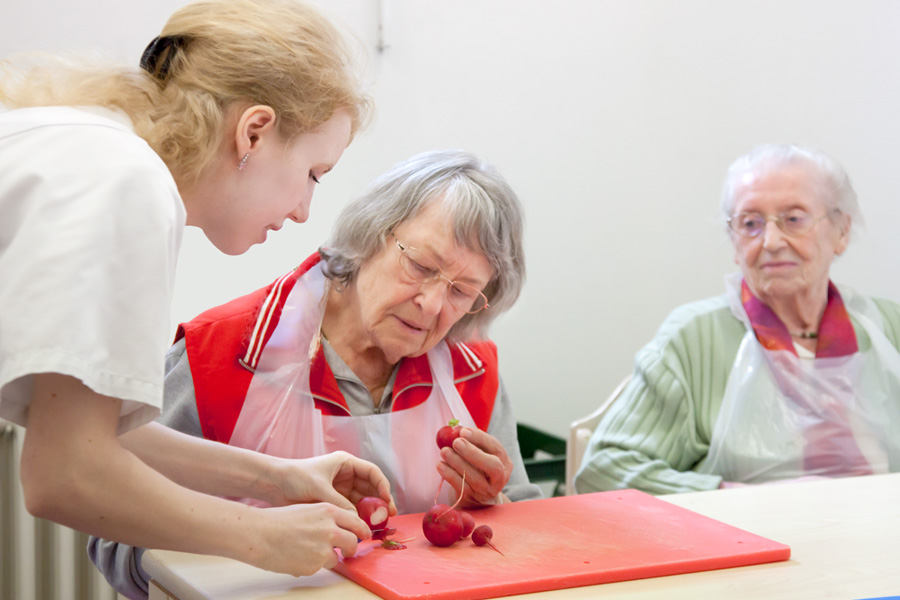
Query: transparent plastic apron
{"x": 279, "y": 415}
{"x": 781, "y": 418}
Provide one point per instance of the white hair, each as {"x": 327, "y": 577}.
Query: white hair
{"x": 837, "y": 192}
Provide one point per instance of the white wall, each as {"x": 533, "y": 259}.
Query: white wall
{"x": 614, "y": 120}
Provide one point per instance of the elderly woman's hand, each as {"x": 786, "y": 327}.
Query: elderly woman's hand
{"x": 485, "y": 463}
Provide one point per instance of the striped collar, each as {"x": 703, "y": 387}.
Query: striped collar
{"x": 267, "y": 318}
{"x": 412, "y": 372}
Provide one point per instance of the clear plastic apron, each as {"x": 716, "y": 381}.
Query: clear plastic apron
{"x": 781, "y": 418}
{"x": 279, "y": 415}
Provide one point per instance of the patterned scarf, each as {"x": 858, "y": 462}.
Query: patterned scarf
{"x": 830, "y": 446}
{"x": 836, "y": 335}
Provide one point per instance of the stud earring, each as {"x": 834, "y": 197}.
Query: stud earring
{"x": 243, "y": 162}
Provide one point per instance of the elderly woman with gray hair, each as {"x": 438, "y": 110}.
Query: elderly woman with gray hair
{"x": 786, "y": 376}
{"x": 370, "y": 346}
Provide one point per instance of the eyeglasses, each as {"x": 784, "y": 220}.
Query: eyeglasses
{"x": 795, "y": 222}
{"x": 421, "y": 268}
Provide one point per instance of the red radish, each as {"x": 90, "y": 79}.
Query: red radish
{"x": 468, "y": 524}
{"x": 374, "y": 511}
{"x": 442, "y": 525}
{"x": 482, "y": 535}
{"x": 448, "y": 433}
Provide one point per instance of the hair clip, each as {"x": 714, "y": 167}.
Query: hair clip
{"x": 158, "y": 55}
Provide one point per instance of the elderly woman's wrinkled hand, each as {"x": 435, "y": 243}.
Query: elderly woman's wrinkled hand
{"x": 485, "y": 463}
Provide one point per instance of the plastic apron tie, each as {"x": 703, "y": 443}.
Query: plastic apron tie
{"x": 777, "y": 408}
{"x": 279, "y": 415}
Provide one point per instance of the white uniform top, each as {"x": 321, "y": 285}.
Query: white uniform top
{"x": 90, "y": 227}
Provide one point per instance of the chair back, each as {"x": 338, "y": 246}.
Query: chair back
{"x": 580, "y": 433}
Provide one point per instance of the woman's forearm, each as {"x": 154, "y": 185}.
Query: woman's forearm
{"x": 75, "y": 472}
{"x": 203, "y": 465}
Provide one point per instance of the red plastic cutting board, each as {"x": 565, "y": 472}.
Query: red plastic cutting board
{"x": 557, "y": 543}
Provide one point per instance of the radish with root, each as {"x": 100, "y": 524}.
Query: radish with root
{"x": 442, "y": 525}
{"x": 482, "y": 535}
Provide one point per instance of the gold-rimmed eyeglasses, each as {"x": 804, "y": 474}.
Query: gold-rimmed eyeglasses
{"x": 423, "y": 269}
{"x": 795, "y": 222}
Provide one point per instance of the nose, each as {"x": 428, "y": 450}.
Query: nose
{"x": 773, "y": 237}
{"x": 301, "y": 213}
{"x": 431, "y": 297}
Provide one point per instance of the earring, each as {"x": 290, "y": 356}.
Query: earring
{"x": 243, "y": 162}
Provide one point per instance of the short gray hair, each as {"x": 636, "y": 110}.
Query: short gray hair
{"x": 486, "y": 216}
{"x": 838, "y": 193}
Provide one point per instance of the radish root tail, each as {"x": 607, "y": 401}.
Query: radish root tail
{"x": 462, "y": 489}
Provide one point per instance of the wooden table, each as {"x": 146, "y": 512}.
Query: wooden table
{"x": 843, "y": 534}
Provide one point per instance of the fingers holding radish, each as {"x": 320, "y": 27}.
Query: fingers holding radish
{"x": 346, "y": 540}
{"x": 300, "y": 539}
{"x": 487, "y": 473}
{"x": 483, "y": 441}
{"x": 339, "y": 478}
{"x": 479, "y": 495}
{"x": 355, "y": 479}
{"x": 484, "y": 452}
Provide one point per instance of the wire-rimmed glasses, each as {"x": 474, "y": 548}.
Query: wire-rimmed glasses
{"x": 795, "y": 222}
{"x": 422, "y": 268}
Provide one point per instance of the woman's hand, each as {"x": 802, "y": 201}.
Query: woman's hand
{"x": 302, "y": 538}
{"x": 485, "y": 463}
{"x": 339, "y": 478}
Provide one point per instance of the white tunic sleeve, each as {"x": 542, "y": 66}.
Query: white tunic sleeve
{"x": 90, "y": 228}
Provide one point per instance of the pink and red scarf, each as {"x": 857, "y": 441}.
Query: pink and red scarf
{"x": 836, "y": 335}
{"x": 831, "y": 447}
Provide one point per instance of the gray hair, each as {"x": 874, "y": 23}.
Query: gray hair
{"x": 486, "y": 216}
{"x": 838, "y": 193}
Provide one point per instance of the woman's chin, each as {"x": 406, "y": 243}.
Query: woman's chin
{"x": 777, "y": 288}
{"x": 394, "y": 353}
{"x": 237, "y": 251}
{"x": 233, "y": 247}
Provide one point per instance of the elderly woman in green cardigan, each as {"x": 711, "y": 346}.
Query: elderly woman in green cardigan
{"x": 786, "y": 376}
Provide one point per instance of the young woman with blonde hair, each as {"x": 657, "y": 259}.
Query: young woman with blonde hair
{"x": 239, "y": 109}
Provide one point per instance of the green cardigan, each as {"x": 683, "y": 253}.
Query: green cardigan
{"x": 656, "y": 434}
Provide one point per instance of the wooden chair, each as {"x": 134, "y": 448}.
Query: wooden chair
{"x": 580, "y": 433}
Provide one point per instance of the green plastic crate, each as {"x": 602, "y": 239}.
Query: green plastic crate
{"x": 544, "y": 455}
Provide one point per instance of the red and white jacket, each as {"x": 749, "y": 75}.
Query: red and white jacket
{"x": 224, "y": 345}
